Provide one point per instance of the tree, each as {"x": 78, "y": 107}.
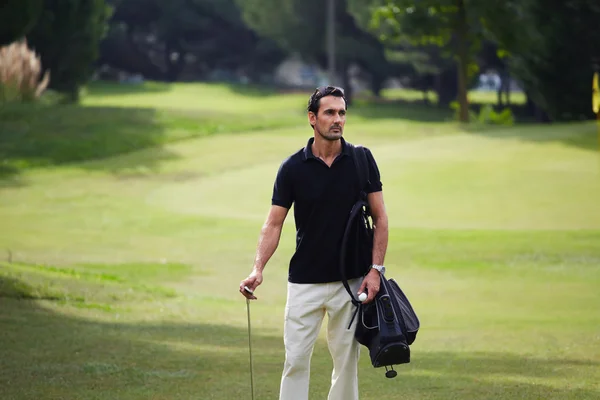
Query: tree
{"x": 301, "y": 26}
{"x": 551, "y": 48}
{"x": 160, "y": 38}
{"x": 17, "y": 18}
{"x": 453, "y": 25}
{"x": 67, "y": 36}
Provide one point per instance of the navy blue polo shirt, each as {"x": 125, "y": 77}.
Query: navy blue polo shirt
{"x": 322, "y": 197}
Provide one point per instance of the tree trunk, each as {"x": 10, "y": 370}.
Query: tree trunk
{"x": 529, "y": 105}
{"x": 534, "y": 110}
{"x": 346, "y": 82}
{"x": 463, "y": 61}
{"x": 446, "y": 85}
{"x": 376, "y": 84}
{"x": 506, "y": 86}
{"x": 72, "y": 94}
{"x": 174, "y": 66}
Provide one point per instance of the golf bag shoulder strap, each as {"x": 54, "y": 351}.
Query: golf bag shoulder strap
{"x": 362, "y": 168}
{"x": 360, "y": 208}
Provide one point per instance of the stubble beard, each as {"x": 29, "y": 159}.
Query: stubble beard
{"x": 331, "y": 135}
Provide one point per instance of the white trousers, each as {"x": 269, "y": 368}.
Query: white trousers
{"x": 304, "y": 313}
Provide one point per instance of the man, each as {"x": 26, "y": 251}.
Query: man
{"x": 322, "y": 182}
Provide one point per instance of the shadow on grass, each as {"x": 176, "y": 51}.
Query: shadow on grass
{"x": 46, "y": 354}
{"x": 251, "y": 90}
{"x": 9, "y": 176}
{"x": 80, "y": 358}
{"x": 45, "y": 136}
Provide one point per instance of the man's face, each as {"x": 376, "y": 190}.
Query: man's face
{"x": 331, "y": 118}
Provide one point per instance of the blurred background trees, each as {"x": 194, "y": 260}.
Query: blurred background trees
{"x": 546, "y": 49}
{"x": 18, "y": 18}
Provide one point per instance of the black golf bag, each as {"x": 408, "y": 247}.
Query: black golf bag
{"x": 388, "y": 325}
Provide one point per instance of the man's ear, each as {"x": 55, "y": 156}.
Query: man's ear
{"x": 312, "y": 118}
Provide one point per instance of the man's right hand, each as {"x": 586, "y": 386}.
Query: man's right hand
{"x": 252, "y": 281}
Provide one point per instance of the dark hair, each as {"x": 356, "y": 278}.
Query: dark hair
{"x": 315, "y": 99}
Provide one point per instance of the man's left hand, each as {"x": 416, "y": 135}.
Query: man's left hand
{"x": 371, "y": 283}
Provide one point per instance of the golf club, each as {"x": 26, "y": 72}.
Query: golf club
{"x": 247, "y": 289}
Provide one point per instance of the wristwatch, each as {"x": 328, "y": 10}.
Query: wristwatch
{"x": 379, "y": 268}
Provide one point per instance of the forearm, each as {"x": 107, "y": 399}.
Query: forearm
{"x": 267, "y": 244}
{"x": 380, "y": 239}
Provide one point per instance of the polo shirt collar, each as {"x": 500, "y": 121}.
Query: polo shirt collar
{"x": 308, "y": 154}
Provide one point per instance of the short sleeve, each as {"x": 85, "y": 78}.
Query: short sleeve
{"x": 375, "y": 184}
{"x": 282, "y": 188}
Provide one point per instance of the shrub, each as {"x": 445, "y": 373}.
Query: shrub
{"x": 20, "y": 73}
{"x": 487, "y": 115}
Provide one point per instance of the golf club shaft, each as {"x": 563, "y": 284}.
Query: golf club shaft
{"x": 250, "y": 348}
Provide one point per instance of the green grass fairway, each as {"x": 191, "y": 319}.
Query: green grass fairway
{"x": 128, "y": 223}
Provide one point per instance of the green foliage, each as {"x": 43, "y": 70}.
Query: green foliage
{"x": 278, "y": 20}
{"x": 423, "y": 23}
{"x": 300, "y": 26}
{"x": 549, "y": 54}
{"x": 67, "y": 36}
{"x": 17, "y": 18}
{"x": 487, "y": 115}
{"x": 212, "y": 31}
{"x": 553, "y": 57}
{"x": 449, "y": 24}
